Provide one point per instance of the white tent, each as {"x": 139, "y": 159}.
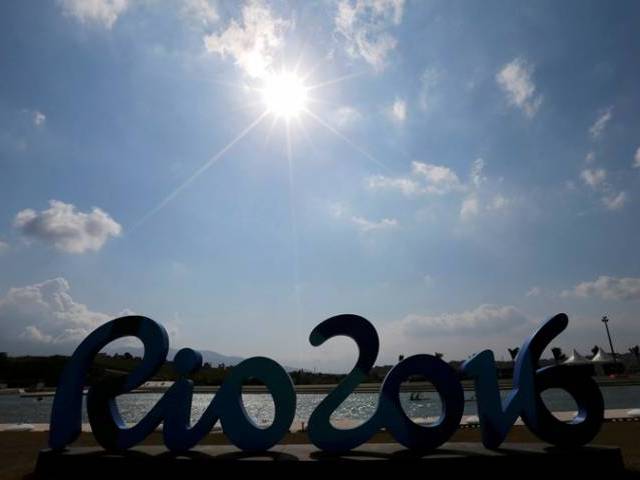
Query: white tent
{"x": 576, "y": 359}
{"x": 602, "y": 357}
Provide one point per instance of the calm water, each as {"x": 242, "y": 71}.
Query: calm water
{"x": 358, "y": 407}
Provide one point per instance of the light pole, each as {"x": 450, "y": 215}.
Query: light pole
{"x": 605, "y": 320}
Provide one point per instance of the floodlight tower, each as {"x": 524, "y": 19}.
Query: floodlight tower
{"x": 605, "y": 320}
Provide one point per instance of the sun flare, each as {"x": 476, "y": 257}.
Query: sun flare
{"x": 285, "y": 95}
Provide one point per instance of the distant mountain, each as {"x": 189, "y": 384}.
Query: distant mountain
{"x": 214, "y": 358}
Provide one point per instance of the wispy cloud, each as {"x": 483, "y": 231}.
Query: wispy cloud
{"x": 600, "y": 124}
{"x": 593, "y": 177}
{"x": 431, "y": 179}
{"x": 407, "y": 186}
{"x": 608, "y": 288}
{"x": 596, "y": 180}
{"x": 99, "y": 12}
{"x": 366, "y": 225}
{"x": 479, "y": 199}
{"x": 534, "y": 291}
{"x": 425, "y": 178}
{"x": 470, "y": 207}
{"x": 636, "y": 159}
{"x": 498, "y": 202}
{"x": 4, "y": 246}
{"x": 515, "y": 79}
{"x": 346, "y": 116}
{"x": 364, "y": 23}
{"x": 38, "y": 118}
{"x": 66, "y": 229}
{"x": 398, "y": 110}
{"x": 484, "y": 320}
{"x": 590, "y": 158}
{"x": 477, "y": 175}
{"x": 253, "y": 41}
{"x": 199, "y": 13}
{"x": 428, "y": 81}
{"x": 615, "y": 201}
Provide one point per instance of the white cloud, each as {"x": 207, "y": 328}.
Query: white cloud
{"x": 67, "y": 229}
{"x": 593, "y": 177}
{"x": 534, "y": 291}
{"x": 365, "y": 225}
{"x": 515, "y": 79}
{"x": 103, "y": 12}
{"x": 601, "y": 123}
{"x": 346, "y": 116}
{"x": 608, "y": 288}
{"x": 636, "y": 159}
{"x": 398, "y": 110}
{"x": 253, "y": 41}
{"x": 4, "y": 246}
{"x": 45, "y": 313}
{"x": 483, "y": 320}
{"x": 428, "y": 81}
{"x": 615, "y": 201}
{"x": 364, "y": 25}
{"x": 425, "y": 178}
{"x": 199, "y": 12}
{"x": 39, "y": 118}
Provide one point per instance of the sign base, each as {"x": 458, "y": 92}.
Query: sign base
{"x": 517, "y": 459}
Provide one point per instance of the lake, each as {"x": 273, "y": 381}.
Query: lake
{"x": 357, "y": 407}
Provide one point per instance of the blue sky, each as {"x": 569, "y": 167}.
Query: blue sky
{"x": 458, "y": 173}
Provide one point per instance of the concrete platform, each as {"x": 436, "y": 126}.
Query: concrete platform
{"x": 452, "y": 458}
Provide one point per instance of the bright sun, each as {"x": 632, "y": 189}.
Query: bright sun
{"x": 284, "y": 95}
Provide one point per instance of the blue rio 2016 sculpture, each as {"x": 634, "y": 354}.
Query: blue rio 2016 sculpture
{"x": 174, "y": 408}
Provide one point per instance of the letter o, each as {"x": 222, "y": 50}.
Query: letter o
{"x": 445, "y": 380}
{"x": 236, "y": 424}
